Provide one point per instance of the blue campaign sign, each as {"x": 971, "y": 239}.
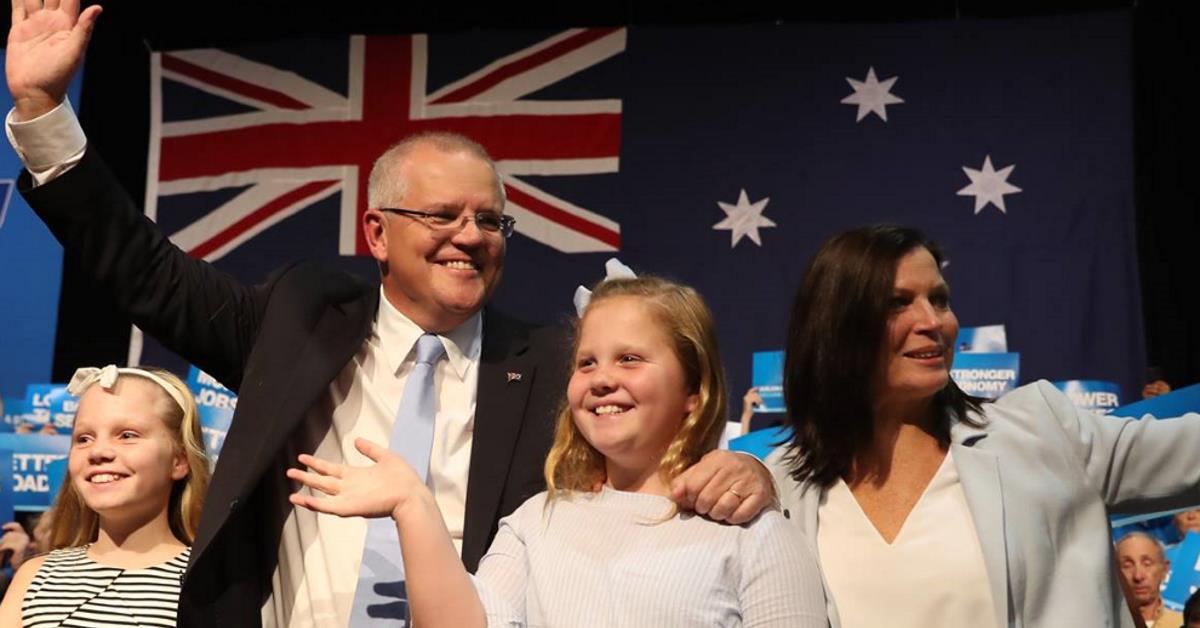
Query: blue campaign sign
{"x": 31, "y": 273}
{"x": 31, "y": 458}
{"x": 767, "y": 376}
{"x": 1184, "y": 578}
{"x": 51, "y": 404}
{"x": 1172, "y": 404}
{"x": 761, "y": 442}
{"x": 6, "y": 486}
{"x": 216, "y": 404}
{"x": 14, "y": 413}
{"x": 1091, "y": 394}
{"x": 987, "y": 375}
{"x": 985, "y": 339}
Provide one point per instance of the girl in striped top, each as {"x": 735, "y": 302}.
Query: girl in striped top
{"x": 127, "y": 512}
{"x": 604, "y": 546}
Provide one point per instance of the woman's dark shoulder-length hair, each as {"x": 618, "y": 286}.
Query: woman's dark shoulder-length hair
{"x": 837, "y": 327}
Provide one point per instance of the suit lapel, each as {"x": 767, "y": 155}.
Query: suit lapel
{"x": 979, "y": 473}
{"x": 271, "y": 406}
{"x": 506, "y": 375}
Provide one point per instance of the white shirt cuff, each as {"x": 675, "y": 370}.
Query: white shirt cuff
{"x": 49, "y": 144}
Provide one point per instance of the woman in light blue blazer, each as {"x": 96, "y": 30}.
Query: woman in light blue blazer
{"x": 927, "y": 507}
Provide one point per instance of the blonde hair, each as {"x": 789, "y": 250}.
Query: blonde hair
{"x": 74, "y": 524}
{"x": 573, "y": 464}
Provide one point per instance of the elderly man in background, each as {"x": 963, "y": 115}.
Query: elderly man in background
{"x": 1143, "y": 570}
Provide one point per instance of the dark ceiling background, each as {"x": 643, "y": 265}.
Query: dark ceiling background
{"x": 115, "y": 115}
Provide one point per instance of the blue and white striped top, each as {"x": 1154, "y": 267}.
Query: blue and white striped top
{"x": 72, "y": 590}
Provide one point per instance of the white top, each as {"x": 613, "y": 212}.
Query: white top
{"x": 320, "y": 555}
{"x": 904, "y": 584}
{"x": 609, "y": 559}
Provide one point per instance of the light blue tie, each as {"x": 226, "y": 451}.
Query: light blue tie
{"x": 381, "y": 594}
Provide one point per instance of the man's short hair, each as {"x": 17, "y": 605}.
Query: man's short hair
{"x": 384, "y": 188}
{"x": 1162, "y": 554}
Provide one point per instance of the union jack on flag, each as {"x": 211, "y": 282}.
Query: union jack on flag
{"x": 241, "y": 142}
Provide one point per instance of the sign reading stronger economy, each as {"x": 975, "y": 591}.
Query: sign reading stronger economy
{"x": 987, "y": 375}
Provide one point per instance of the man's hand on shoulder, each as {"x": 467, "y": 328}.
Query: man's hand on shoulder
{"x": 725, "y": 486}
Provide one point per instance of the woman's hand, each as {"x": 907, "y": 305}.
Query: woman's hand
{"x": 380, "y": 490}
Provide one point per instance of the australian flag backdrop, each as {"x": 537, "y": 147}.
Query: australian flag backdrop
{"x": 720, "y": 156}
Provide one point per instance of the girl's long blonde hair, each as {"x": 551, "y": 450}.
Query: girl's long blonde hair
{"x": 573, "y": 464}
{"x": 74, "y": 524}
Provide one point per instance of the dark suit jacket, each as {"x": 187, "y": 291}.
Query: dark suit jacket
{"x": 279, "y": 345}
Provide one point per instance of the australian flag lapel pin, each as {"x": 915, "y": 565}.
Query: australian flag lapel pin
{"x": 513, "y": 376}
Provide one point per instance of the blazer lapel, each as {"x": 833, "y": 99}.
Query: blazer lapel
{"x": 271, "y": 406}
{"x": 506, "y": 375}
{"x": 979, "y": 473}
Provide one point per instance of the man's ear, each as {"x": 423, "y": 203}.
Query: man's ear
{"x": 375, "y": 232}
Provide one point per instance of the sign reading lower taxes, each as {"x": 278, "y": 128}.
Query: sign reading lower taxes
{"x": 215, "y": 404}
{"x": 988, "y": 375}
{"x": 767, "y": 376}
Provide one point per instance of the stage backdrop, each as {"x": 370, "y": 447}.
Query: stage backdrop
{"x": 30, "y": 276}
{"x": 721, "y": 156}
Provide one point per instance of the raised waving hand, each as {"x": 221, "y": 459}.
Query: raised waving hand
{"x": 45, "y": 48}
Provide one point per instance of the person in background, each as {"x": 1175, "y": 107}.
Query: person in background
{"x": 750, "y": 401}
{"x": 1143, "y": 569}
{"x": 1191, "y": 611}
{"x": 127, "y": 512}
{"x": 1187, "y": 521}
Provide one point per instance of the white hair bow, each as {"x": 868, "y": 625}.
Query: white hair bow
{"x": 106, "y": 377}
{"x": 613, "y": 269}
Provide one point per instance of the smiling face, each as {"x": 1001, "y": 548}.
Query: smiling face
{"x": 628, "y": 393}
{"x": 921, "y": 329}
{"x": 123, "y": 462}
{"x": 438, "y": 278}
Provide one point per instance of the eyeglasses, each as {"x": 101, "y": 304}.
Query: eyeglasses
{"x": 487, "y": 222}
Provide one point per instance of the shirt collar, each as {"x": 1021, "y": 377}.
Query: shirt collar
{"x": 398, "y": 335}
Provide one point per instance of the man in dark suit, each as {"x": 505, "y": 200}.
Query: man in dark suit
{"x": 320, "y": 357}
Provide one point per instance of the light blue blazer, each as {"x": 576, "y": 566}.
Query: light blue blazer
{"x": 1040, "y": 477}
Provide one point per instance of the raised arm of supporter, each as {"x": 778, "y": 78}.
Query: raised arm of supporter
{"x": 440, "y": 592}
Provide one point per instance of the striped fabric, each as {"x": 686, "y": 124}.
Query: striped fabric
{"x": 73, "y": 591}
{"x": 611, "y": 559}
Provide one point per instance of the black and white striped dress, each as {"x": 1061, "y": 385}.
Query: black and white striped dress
{"x": 72, "y": 590}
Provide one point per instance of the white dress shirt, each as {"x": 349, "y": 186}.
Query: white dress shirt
{"x": 319, "y": 555}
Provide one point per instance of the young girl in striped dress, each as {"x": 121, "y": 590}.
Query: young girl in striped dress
{"x": 604, "y": 546}
{"x": 127, "y": 512}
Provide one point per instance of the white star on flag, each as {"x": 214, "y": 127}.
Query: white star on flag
{"x": 989, "y": 185}
{"x": 871, "y": 96}
{"x": 744, "y": 219}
